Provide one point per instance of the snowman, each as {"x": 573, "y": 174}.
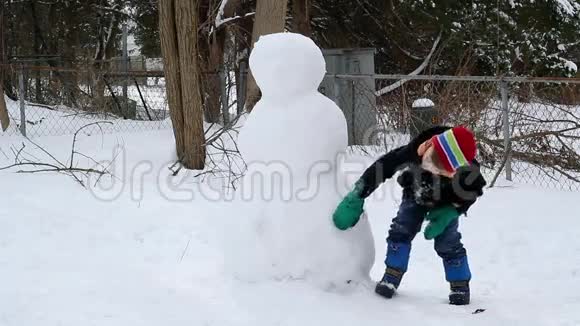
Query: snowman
{"x": 290, "y": 142}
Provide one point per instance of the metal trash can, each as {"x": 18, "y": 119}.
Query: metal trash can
{"x": 424, "y": 115}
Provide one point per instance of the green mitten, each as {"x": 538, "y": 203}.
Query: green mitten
{"x": 349, "y": 210}
{"x": 439, "y": 218}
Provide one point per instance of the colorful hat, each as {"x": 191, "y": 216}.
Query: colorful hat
{"x": 455, "y": 147}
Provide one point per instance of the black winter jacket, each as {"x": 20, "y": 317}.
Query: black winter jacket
{"x": 428, "y": 189}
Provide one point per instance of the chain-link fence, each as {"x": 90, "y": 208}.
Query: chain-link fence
{"x": 46, "y": 101}
{"x": 528, "y": 129}
{"x": 53, "y": 101}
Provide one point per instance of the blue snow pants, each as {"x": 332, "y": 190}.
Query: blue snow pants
{"x": 405, "y": 227}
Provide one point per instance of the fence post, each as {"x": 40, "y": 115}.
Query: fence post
{"x": 242, "y": 87}
{"x": 125, "y": 68}
{"x": 224, "y": 96}
{"x": 22, "y": 101}
{"x": 506, "y": 128}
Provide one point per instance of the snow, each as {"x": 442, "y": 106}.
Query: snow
{"x": 132, "y": 47}
{"x": 567, "y": 8}
{"x": 229, "y": 19}
{"x": 292, "y": 189}
{"x": 507, "y": 18}
{"x": 154, "y": 64}
{"x": 68, "y": 258}
{"x": 518, "y": 53}
{"x": 145, "y": 248}
{"x": 219, "y": 19}
{"x": 284, "y": 77}
{"x": 569, "y": 65}
{"x": 423, "y": 103}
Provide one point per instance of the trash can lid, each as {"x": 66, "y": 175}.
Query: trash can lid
{"x": 423, "y": 103}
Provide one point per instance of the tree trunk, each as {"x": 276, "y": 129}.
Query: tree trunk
{"x": 301, "y": 17}
{"x": 211, "y": 50}
{"x": 192, "y": 110}
{"x": 168, "y": 37}
{"x": 36, "y": 49}
{"x": 270, "y": 18}
{"x": 178, "y": 20}
{"x": 213, "y": 85}
{"x": 107, "y": 34}
{"x": 4, "y": 117}
{"x": 70, "y": 40}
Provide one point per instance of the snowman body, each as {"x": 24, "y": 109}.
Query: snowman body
{"x": 292, "y": 142}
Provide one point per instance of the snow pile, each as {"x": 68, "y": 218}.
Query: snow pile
{"x": 150, "y": 255}
{"x": 423, "y": 103}
{"x": 291, "y": 142}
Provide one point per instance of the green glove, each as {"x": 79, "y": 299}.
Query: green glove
{"x": 439, "y": 218}
{"x": 350, "y": 209}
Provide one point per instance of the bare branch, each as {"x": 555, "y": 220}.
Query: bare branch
{"x": 34, "y": 165}
{"x": 73, "y": 150}
{"x": 415, "y": 72}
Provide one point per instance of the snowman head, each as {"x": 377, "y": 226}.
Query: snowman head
{"x": 287, "y": 64}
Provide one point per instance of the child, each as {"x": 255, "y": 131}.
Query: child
{"x": 441, "y": 181}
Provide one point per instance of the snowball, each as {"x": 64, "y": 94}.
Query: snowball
{"x": 287, "y": 64}
{"x": 423, "y": 103}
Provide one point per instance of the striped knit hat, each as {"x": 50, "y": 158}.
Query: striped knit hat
{"x": 455, "y": 147}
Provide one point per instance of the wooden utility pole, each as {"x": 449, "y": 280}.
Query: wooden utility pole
{"x": 270, "y": 18}
{"x": 178, "y": 22}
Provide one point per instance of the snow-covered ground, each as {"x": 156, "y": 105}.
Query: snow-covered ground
{"x": 147, "y": 251}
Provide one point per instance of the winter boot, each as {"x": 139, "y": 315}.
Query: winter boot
{"x": 397, "y": 262}
{"x": 389, "y": 283}
{"x": 458, "y": 275}
{"x": 459, "y": 295}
